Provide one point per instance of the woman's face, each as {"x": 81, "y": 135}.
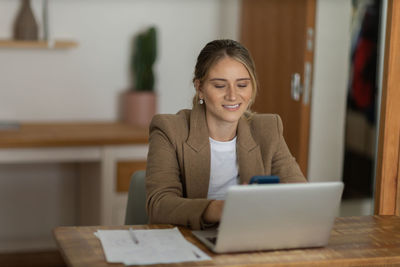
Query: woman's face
{"x": 226, "y": 92}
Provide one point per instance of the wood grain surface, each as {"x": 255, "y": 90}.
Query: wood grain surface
{"x": 355, "y": 241}
{"x": 67, "y": 134}
{"x": 57, "y": 44}
{"x": 387, "y": 198}
{"x": 279, "y": 50}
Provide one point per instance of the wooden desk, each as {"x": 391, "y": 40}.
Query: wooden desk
{"x": 95, "y": 147}
{"x": 355, "y": 241}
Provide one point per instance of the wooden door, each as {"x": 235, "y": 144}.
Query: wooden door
{"x": 280, "y": 36}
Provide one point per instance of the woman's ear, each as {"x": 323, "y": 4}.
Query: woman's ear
{"x": 197, "y": 85}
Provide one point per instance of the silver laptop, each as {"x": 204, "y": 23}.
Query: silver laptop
{"x": 275, "y": 216}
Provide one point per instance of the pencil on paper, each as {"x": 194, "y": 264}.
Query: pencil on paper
{"x": 133, "y": 236}
{"x": 197, "y": 255}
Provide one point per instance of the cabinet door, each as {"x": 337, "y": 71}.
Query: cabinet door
{"x": 280, "y": 36}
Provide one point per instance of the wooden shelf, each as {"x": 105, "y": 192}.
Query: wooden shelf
{"x": 67, "y": 134}
{"x": 56, "y": 44}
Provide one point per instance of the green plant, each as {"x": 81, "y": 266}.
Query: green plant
{"x": 143, "y": 58}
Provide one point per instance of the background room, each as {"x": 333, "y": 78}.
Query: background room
{"x": 84, "y": 83}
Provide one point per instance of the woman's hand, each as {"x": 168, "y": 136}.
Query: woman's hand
{"x": 213, "y": 212}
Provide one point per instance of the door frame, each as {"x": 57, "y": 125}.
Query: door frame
{"x": 387, "y": 181}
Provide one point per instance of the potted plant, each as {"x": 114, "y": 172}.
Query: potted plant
{"x": 140, "y": 101}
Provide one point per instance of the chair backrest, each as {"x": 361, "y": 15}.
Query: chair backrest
{"x": 136, "y": 207}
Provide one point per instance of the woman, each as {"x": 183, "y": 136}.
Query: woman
{"x": 195, "y": 155}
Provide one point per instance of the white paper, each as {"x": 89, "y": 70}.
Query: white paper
{"x": 154, "y": 246}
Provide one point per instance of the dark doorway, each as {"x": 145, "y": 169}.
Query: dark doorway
{"x": 361, "y": 113}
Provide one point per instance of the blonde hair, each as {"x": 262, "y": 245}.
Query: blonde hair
{"x": 216, "y": 50}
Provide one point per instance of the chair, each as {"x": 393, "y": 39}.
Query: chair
{"x": 136, "y": 207}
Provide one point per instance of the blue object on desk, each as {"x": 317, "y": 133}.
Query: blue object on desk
{"x": 264, "y": 179}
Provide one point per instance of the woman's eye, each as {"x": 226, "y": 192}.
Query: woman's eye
{"x": 219, "y": 85}
{"x": 242, "y": 85}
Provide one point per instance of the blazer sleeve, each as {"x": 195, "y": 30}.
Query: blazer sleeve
{"x": 165, "y": 199}
{"x": 283, "y": 163}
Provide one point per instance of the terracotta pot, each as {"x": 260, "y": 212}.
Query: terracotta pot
{"x": 139, "y": 108}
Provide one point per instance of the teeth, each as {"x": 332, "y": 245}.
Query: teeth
{"x": 232, "y": 106}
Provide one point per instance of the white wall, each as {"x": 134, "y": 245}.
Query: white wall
{"x": 84, "y": 83}
{"x": 331, "y": 68}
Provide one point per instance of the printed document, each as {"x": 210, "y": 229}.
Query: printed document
{"x": 139, "y": 247}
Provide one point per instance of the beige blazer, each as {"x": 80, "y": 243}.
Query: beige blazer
{"x": 178, "y": 162}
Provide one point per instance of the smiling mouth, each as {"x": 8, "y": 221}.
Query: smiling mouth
{"x": 231, "y": 106}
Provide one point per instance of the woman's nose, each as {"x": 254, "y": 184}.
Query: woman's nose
{"x": 231, "y": 93}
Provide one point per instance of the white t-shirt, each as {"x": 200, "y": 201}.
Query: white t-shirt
{"x": 224, "y": 168}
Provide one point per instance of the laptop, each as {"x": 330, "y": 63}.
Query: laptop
{"x": 275, "y": 216}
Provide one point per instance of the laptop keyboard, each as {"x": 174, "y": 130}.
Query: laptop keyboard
{"x": 212, "y": 239}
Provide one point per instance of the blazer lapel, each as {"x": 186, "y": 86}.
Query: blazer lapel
{"x": 197, "y": 155}
{"x": 248, "y": 152}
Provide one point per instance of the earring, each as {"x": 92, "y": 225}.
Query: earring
{"x": 201, "y": 101}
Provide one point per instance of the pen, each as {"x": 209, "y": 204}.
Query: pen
{"x": 133, "y": 236}
{"x": 197, "y": 255}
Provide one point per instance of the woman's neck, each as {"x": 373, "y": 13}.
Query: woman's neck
{"x": 222, "y": 131}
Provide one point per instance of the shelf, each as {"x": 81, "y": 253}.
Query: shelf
{"x": 56, "y": 44}
{"x": 70, "y": 134}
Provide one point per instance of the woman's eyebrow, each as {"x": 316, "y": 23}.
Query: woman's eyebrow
{"x": 218, "y": 79}
{"x": 224, "y": 80}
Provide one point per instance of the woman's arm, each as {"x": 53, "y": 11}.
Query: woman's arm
{"x": 213, "y": 212}
{"x": 283, "y": 163}
{"x": 166, "y": 202}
